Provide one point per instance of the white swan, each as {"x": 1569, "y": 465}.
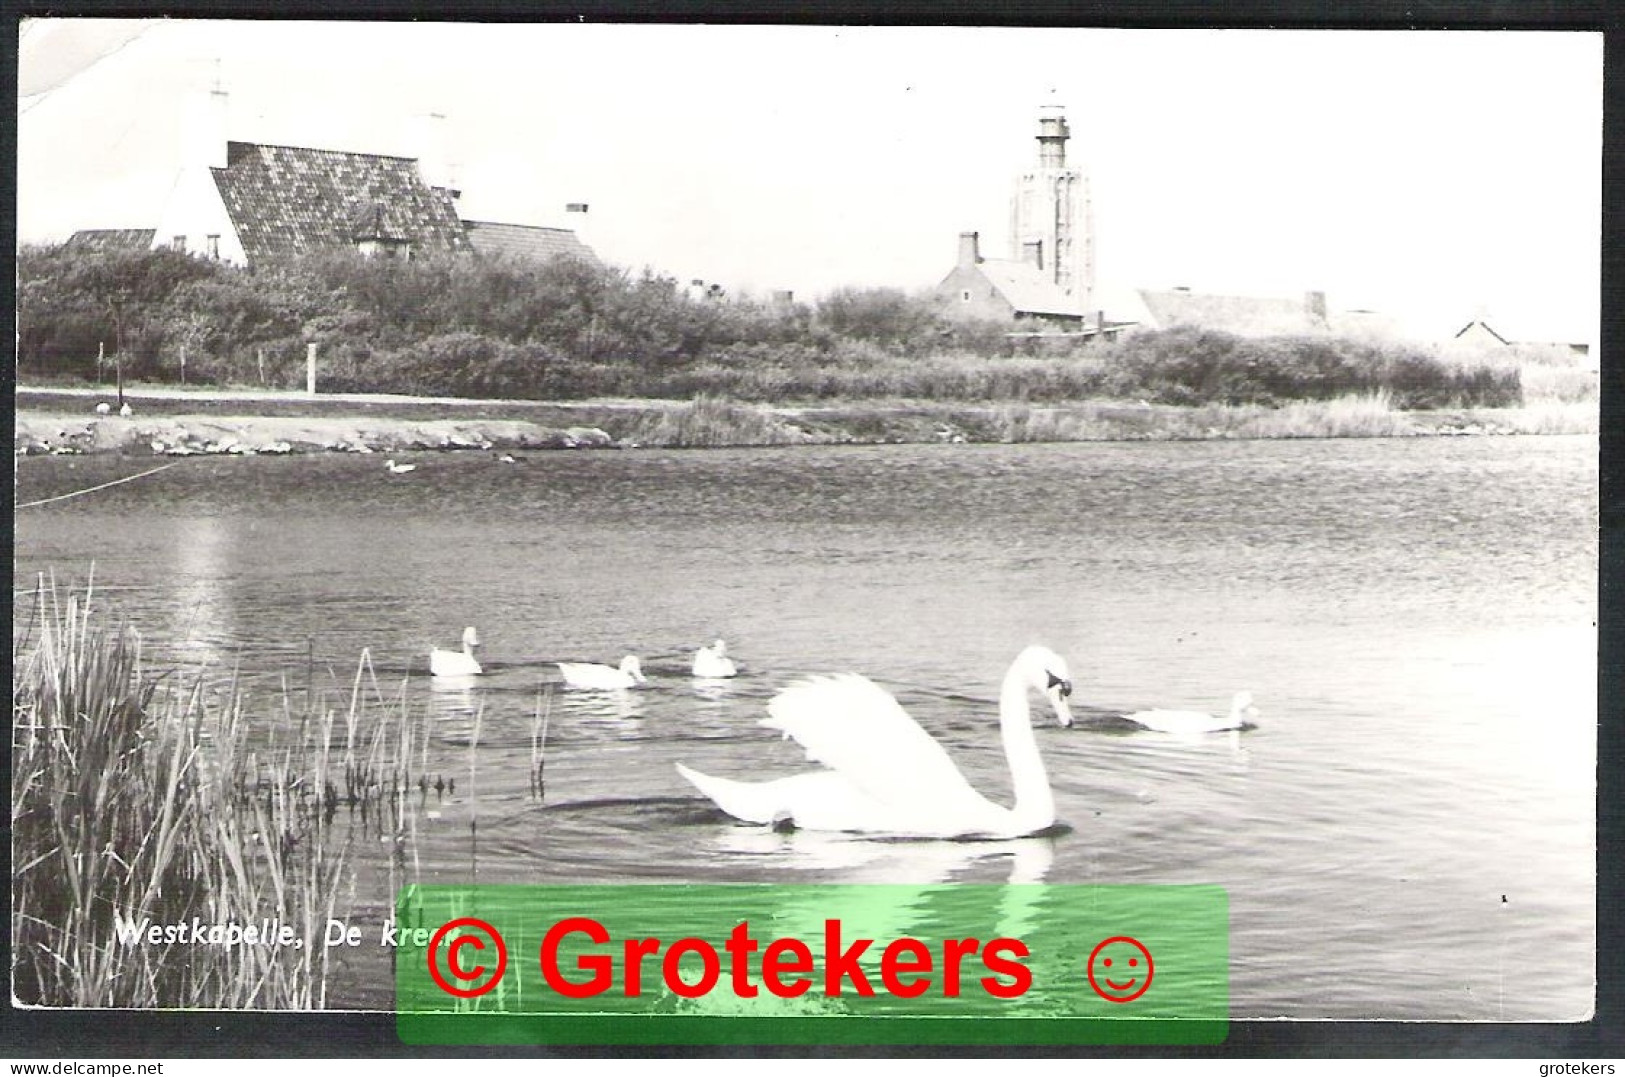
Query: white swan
{"x": 443, "y": 663}
{"x": 1170, "y": 721}
{"x": 713, "y": 661}
{"x": 887, "y": 775}
{"x": 399, "y": 469}
{"x": 592, "y": 675}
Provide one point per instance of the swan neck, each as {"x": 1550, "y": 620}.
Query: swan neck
{"x": 1035, "y": 804}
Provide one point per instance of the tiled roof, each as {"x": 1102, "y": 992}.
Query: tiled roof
{"x": 288, "y": 199}
{"x": 526, "y": 241}
{"x": 1252, "y": 315}
{"x": 1027, "y": 289}
{"x": 111, "y": 239}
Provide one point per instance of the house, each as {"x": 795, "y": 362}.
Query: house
{"x": 268, "y": 201}
{"x": 109, "y": 240}
{"x": 1478, "y": 334}
{"x": 992, "y": 288}
{"x": 526, "y": 241}
{"x": 244, "y": 202}
{"x": 1242, "y": 315}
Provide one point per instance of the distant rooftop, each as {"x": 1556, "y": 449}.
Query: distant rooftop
{"x": 111, "y": 239}
{"x": 526, "y": 241}
{"x": 289, "y": 199}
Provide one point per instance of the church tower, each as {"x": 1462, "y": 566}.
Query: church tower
{"x": 1051, "y": 224}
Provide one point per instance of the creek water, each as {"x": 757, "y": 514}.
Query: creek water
{"x": 1407, "y": 833}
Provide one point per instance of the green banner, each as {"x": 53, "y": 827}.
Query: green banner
{"x": 961, "y": 964}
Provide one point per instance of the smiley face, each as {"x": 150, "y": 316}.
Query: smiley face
{"x": 1120, "y": 969}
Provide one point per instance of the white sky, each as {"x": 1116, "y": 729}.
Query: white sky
{"x": 1434, "y": 176}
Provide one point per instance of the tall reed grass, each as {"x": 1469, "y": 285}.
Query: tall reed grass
{"x": 707, "y": 422}
{"x": 139, "y": 799}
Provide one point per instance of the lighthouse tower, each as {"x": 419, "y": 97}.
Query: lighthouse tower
{"x": 1051, "y": 226}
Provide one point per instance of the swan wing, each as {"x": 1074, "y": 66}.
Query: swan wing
{"x": 443, "y": 663}
{"x": 856, "y": 728}
{"x": 1171, "y": 721}
{"x": 820, "y": 800}
{"x": 592, "y": 675}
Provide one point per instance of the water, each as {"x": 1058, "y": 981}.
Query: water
{"x": 1407, "y": 834}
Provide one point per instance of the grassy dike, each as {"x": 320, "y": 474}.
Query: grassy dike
{"x": 250, "y": 423}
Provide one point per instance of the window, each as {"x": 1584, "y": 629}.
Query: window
{"x": 965, "y": 295}
{"x": 178, "y": 244}
{"x": 214, "y": 246}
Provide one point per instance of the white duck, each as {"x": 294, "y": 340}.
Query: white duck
{"x": 125, "y": 410}
{"x": 713, "y": 661}
{"x": 103, "y": 408}
{"x": 1171, "y": 721}
{"x": 593, "y": 675}
{"x": 887, "y": 775}
{"x": 444, "y": 663}
{"x": 399, "y": 469}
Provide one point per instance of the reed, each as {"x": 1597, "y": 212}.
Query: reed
{"x": 708, "y": 422}
{"x": 1356, "y": 415}
{"x": 137, "y": 798}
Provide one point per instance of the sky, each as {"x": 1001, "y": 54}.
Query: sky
{"x": 1433, "y": 176}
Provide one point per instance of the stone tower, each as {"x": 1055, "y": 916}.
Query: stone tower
{"x": 1051, "y": 225}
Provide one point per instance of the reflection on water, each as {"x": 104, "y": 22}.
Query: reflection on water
{"x": 861, "y": 860}
{"x": 612, "y": 711}
{"x": 203, "y": 625}
{"x": 1417, "y": 618}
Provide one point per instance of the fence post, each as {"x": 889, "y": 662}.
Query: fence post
{"x": 310, "y": 368}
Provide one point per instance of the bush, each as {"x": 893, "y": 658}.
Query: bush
{"x": 567, "y": 329}
{"x": 1192, "y": 366}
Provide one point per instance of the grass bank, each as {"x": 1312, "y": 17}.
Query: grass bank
{"x": 171, "y": 423}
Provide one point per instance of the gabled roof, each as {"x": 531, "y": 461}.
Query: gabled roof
{"x": 1248, "y": 315}
{"x": 288, "y": 199}
{"x": 1027, "y": 289}
{"x": 526, "y": 241}
{"x": 111, "y": 239}
{"x": 1482, "y": 325}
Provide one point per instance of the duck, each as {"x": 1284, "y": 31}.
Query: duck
{"x": 125, "y": 410}
{"x": 399, "y": 469}
{"x": 713, "y": 661}
{"x": 884, "y": 775}
{"x": 444, "y": 663}
{"x": 593, "y": 675}
{"x": 103, "y": 408}
{"x": 1242, "y": 711}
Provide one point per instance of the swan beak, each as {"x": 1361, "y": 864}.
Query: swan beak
{"x": 1057, "y": 697}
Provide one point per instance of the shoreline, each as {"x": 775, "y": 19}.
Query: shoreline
{"x": 172, "y": 422}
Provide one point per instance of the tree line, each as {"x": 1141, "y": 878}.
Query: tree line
{"x": 569, "y": 329}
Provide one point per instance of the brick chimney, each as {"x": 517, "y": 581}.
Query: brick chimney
{"x": 970, "y": 253}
